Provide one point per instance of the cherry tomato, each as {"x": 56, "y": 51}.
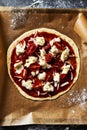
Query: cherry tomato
{"x": 58, "y": 45}
{"x": 48, "y": 46}
{"x": 31, "y": 48}
{"x": 48, "y": 57}
{"x": 34, "y": 66}
{"x": 15, "y": 58}
{"x": 57, "y": 65}
{"x": 38, "y": 84}
{"x": 62, "y": 77}
{"x": 49, "y": 76}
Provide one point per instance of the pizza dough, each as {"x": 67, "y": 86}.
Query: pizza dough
{"x": 43, "y": 64}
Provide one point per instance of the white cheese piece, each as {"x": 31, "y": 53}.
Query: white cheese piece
{"x": 43, "y": 63}
{"x": 42, "y": 76}
{"x": 65, "y": 54}
{"x": 55, "y": 40}
{"x": 20, "y": 48}
{"x": 37, "y": 72}
{"x": 27, "y": 84}
{"x": 18, "y": 64}
{"x": 48, "y": 66}
{"x": 56, "y": 77}
{"x": 54, "y": 50}
{"x": 30, "y": 60}
{"x": 42, "y": 52}
{"x": 42, "y": 60}
{"x": 65, "y": 69}
{"x": 18, "y": 67}
{"x": 40, "y": 41}
{"x": 34, "y": 73}
{"x": 48, "y": 87}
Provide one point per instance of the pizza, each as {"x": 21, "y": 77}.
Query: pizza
{"x": 43, "y": 64}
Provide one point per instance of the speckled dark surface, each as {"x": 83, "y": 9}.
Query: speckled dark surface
{"x": 46, "y": 4}
{"x": 46, "y": 127}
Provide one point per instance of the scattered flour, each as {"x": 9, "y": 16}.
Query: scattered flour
{"x": 77, "y": 97}
{"x": 18, "y": 19}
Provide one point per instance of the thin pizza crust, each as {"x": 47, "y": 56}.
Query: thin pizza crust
{"x": 62, "y": 36}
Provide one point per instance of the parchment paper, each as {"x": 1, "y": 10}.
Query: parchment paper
{"x": 70, "y": 108}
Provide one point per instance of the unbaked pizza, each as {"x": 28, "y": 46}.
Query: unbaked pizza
{"x": 43, "y": 64}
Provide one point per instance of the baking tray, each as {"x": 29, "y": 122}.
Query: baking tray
{"x": 15, "y": 109}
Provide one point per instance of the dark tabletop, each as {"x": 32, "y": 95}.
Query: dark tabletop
{"x": 46, "y": 4}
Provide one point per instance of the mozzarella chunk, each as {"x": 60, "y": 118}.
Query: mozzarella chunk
{"x": 43, "y": 63}
{"x": 18, "y": 67}
{"x": 30, "y": 60}
{"x": 20, "y": 48}
{"x": 42, "y": 52}
{"x": 48, "y": 66}
{"x": 65, "y": 69}
{"x": 55, "y": 40}
{"x": 34, "y": 73}
{"x": 54, "y": 50}
{"x": 56, "y": 77}
{"x": 27, "y": 84}
{"x": 40, "y": 41}
{"x": 37, "y": 72}
{"x": 42, "y": 60}
{"x": 65, "y": 54}
{"x": 48, "y": 87}
{"x": 42, "y": 76}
